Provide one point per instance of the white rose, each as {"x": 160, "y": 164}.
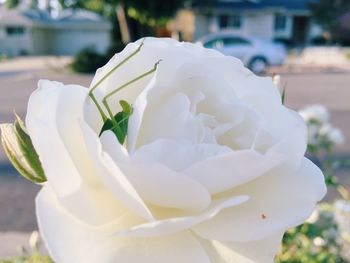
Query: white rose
{"x": 212, "y": 170}
{"x": 332, "y": 134}
{"x": 315, "y": 113}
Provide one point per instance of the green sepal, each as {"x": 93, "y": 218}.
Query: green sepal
{"x": 121, "y": 120}
{"x": 28, "y": 150}
{"x": 20, "y": 151}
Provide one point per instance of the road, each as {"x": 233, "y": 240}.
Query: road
{"x": 17, "y": 195}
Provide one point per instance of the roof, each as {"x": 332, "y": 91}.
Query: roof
{"x": 68, "y": 18}
{"x": 296, "y": 5}
{"x": 13, "y": 17}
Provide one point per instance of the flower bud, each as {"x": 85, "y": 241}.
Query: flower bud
{"x": 20, "y": 151}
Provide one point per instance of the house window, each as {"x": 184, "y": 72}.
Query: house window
{"x": 223, "y": 21}
{"x": 236, "y": 21}
{"x": 233, "y": 21}
{"x": 280, "y": 22}
{"x": 15, "y": 31}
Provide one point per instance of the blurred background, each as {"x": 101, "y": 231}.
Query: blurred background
{"x": 303, "y": 44}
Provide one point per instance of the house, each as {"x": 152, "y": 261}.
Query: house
{"x": 36, "y": 32}
{"x": 285, "y": 20}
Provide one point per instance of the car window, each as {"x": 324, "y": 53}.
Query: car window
{"x": 214, "y": 43}
{"x": 234, "y": 41}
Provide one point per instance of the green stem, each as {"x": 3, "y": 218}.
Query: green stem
{"x": 104, "y": 101}
{"x": 103, "y": 115}
{"x": 92, "y": 96}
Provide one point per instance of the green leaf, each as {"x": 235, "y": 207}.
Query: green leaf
{"x": 120, "y": 129}
{"x": 283, "y": 96}
{"x": 125, "y": 106}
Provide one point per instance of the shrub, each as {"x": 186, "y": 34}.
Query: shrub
{"x": 88, "y": 60}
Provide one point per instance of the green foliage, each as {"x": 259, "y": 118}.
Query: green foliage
{"x": 36, "y": 257}
{"x": 122, "y": 120}
{"x": 12, "y": 3}
{"x": 2, "y": 57}
{"x": 154, "y": 12}
{"x": 151, "y": 11}
{"x": 88, "y": 60}
{"x": 326, "y": 12}
{"x": 313, "y": 242}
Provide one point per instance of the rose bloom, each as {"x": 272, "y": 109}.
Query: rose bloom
{"x": 315, "y": 113}
{"x": 212, "y": 169}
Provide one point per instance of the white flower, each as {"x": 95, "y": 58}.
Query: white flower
{"x": 320, "y": 131}
{"x": 212, "y": 170}
{"x": 318, "y": 241}
{"x": 317, "y": 113}
{"x": 332, "y": 134}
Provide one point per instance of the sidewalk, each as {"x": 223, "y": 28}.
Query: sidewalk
{"x": 311, "y": 60}
{"x": 12, "y": 243}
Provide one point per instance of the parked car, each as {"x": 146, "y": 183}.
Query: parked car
{"x": 255, "y": 53}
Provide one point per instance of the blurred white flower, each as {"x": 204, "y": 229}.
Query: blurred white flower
{"x": 317, "y": 113}
{"x": 332, "y": 134}
{"x": 318, "y": 241}
{"x": 342, "y": 219}
{"x": 321, "y": 134}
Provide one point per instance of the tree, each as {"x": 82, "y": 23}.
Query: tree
{"x": 136, "y": 18}
{"x": 12, "y": 3}
{"x": 327, "y": 14}
{"x": 132, "y": 19}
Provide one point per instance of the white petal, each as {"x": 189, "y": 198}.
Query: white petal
{"x": 43, "y": 129}
{"x": 293, "y": 144}
{"x": 176, "y": 155}
{"x": 170, "y": 118}
{"x": 111, "y": 145}
{"x": 155, "y": 171}
{"x": 112, "y": 176}
{"x": 261, "y": 251}
{"x": 153, "y": 50}
{"x": 173, "y": 225}
{"x": 228, "y": 170}
{"x": 54, "y": 111}
{"x": 279, "y": 200}
{"x": 161, "y": 186}
{"x": 69, "y": 241}
{"x": 243, "y": 81}
{"x": 169, "y": 107}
